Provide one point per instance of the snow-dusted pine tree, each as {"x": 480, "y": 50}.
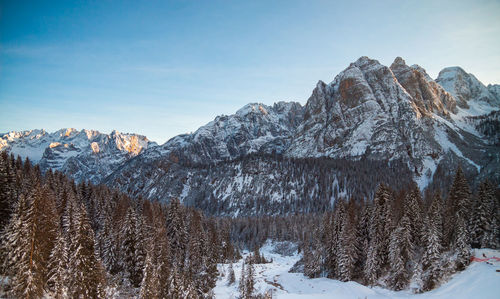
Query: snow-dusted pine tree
{"x": 58, "y": 272}
{"x": 177, "y": 233}
{"x": 243, "y": 279}
{"x": 31, "y": 235}
{"x": 400, "y": 254}
{"x": 348, "y": 249}
{"x": 87, "y": 277}
{"x": 433, "y": 240}
{"x": 150, "y": 285}
{"x": 130, "y": 245}
{"x": 461, "y": 244}
{"x": 483, "y": 225}
{"x": 458, "y": 201}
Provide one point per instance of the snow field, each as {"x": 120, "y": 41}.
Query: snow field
{"x": 479, "y": 280}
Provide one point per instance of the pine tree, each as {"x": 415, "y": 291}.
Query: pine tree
{"x": 417, "y": 279}
{"x": 30, "y": 239}
{"x": 414, "y": 212}
{"x": 58, "y": 275}
{"x": 130, "y": 247}
{"x": 348, "y": 251}
{"x": 433, "y": 248}
{"x": 458, "y": 201}
{"x": 69, "y": 218}
{"x": 483, "y": 220}
{"x": 330, "y": 242}
{"x": 23, "y": 266}
{"x": 243, "y": 280}
{"x": 177, "y": 234}
{"x": 87, "y": 278}
{"x": 110, "y": 249}
{"x": 140, "y": 251}
{"x": 249, "y": 281}
{"x": 363, "y": 237}
{"x": 161, "y": 245}
{"x": 400, "y": 254}
{"x": 150, "y": 285}
{"x": 312, "y": 262}
{"x": 213, "y": 257}
{"x": 461, "y": 244}
{"x": 380, "y": 229}
{"x": 196, "y": 252}
{"x": 6, "y": 191}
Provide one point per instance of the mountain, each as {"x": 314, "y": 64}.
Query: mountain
{"x": 254, "y": 128}
{"x": 471, "y": 95}
{"x": 371, "y": 124}
{"x": 397, "y": 116}
{"x": 84, "y": 155}
{"x": 396, "y": 113}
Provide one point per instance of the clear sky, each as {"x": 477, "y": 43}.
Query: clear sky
{"x": 162, "y": 68}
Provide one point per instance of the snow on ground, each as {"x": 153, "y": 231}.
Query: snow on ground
{"x": 479, "y": 280}
{"x": 428, "y": 170}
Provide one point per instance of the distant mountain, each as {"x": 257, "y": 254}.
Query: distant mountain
{"x": 371, "y": 124}
{"x": 84, "y": 155}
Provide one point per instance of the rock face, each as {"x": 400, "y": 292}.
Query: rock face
{"x": 428, "y": 97}
{"x": 84, "y": 155}
{"x": 363, "y": 112}
{"x": 371, "y": 124}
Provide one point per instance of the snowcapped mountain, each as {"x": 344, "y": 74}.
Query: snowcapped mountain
{"x": 398, "y": 113}
{"x": 370, "y": 112}
{"x": 471, "y": 95}
{"x": 254, "y": 128}
{"x": 84, "y": 155}
{"x": 372, "y": 123}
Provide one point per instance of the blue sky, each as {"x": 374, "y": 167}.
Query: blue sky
{"x": 162, "y": 68}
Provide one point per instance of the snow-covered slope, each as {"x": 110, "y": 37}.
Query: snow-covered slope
{"x": 479, "y": 280}
{"x": 84, "y": 155}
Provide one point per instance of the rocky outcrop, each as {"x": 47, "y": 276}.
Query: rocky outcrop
{"x": 428, "y": 97}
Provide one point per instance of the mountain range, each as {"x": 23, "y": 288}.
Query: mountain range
{"x": 371, "y": 124}
{"x": 85, "y": 155}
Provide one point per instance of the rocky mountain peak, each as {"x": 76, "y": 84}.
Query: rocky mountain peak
{"x": 470, "y": 94}
{"x": 428, "y": 97}
{"x": 344, "y": 116}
